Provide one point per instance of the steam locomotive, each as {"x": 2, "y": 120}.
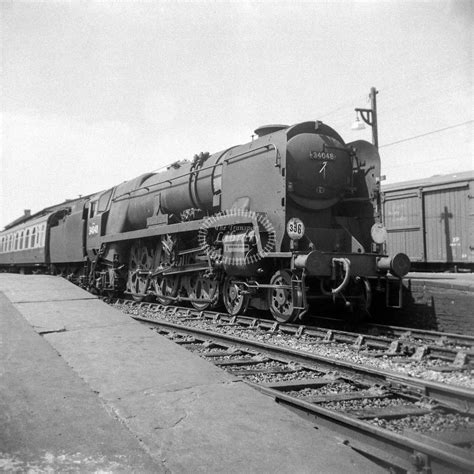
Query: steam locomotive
{"x": 291, "y": 217}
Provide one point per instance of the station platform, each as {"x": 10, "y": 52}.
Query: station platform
{"x": 457, "y": 281}
{"x": 85, "y": 388}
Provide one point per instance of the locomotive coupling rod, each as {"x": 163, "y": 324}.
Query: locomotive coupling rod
{"x": 257, "y": 286}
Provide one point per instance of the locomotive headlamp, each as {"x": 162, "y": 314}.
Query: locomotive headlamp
{"x": 378, "y": 233}
{"x": 295, "y": 228}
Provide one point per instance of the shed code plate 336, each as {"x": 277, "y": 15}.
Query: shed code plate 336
{"x": 295, "y": 228}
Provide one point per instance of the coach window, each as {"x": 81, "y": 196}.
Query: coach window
{"x": 33, "y": 235}
{"x": 21, "y": 240}
{"x": 27, "y": 238}
{"x": 42, "y": 236}
{"x": 17, "y": 237}
{"x": 1, "y": 246}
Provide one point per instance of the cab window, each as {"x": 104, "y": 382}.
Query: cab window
{"x": 104, "y": 201}
{"x": 92, "y": 208}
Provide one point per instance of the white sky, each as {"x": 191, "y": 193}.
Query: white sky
{"x": 95, "y": 93}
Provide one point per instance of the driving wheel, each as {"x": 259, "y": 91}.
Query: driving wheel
{"x": 235, "y": 300}
{"x": 285, "y": 300}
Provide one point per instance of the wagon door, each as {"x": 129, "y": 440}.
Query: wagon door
{"x": 447, "y": 223}
{"x": 403, "y": 216}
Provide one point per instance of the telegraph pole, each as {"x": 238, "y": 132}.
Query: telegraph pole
{"x": 369, "y": 116}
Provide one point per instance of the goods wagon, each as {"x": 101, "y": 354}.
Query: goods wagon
{"x": 431, "y": 220}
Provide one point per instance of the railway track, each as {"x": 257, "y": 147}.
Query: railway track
{"x": 453, "y": 351}
{"x": 409, "y": 424}
{"x": 432, "y": 340}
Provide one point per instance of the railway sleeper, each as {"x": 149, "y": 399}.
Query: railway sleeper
{"x": 241, "y": 373}
{"x": 388, "y": 413}
{"x": 339, "y": 397}
{"x": 222, "y": 354}
{"x": 286, "y": 386}
{"x": 243, "y": 361}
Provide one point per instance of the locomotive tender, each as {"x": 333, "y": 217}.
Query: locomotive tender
{"x": 292, "y": 216}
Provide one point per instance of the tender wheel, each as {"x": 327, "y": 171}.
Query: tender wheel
{"x": 205, "y": 288}
{"x": 235, "y": 301}
{"x": 141, "y": 259}
{"x": 285, "y": 304}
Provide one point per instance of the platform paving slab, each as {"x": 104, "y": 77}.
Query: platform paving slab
{"x": 456, "y": 281}
{"x": 50, "y": 419}
{"x": 33, "y": 288}
{"x": 188, "y": 414}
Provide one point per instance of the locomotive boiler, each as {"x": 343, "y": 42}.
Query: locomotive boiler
{"x": 291, "y": 217}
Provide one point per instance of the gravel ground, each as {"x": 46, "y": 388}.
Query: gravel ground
{"x": 274, "y": 378}
{"x": 426, "y": 424}
{"x": 366, "y": 403}
{"x": 417, "y": 369}
{"x": 332, "y": 389}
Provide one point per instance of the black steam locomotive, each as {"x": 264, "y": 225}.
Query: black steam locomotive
{"x": 290, "y": 217}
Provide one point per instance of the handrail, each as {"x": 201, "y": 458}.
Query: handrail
{"x": 195, "y": 170}
{"x": 253, "y": 150}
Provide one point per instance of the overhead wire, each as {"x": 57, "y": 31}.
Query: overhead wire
{"x": 429, "y": 78}
{"x": 425, "y": 134}
{"x": 389, "y": 165}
